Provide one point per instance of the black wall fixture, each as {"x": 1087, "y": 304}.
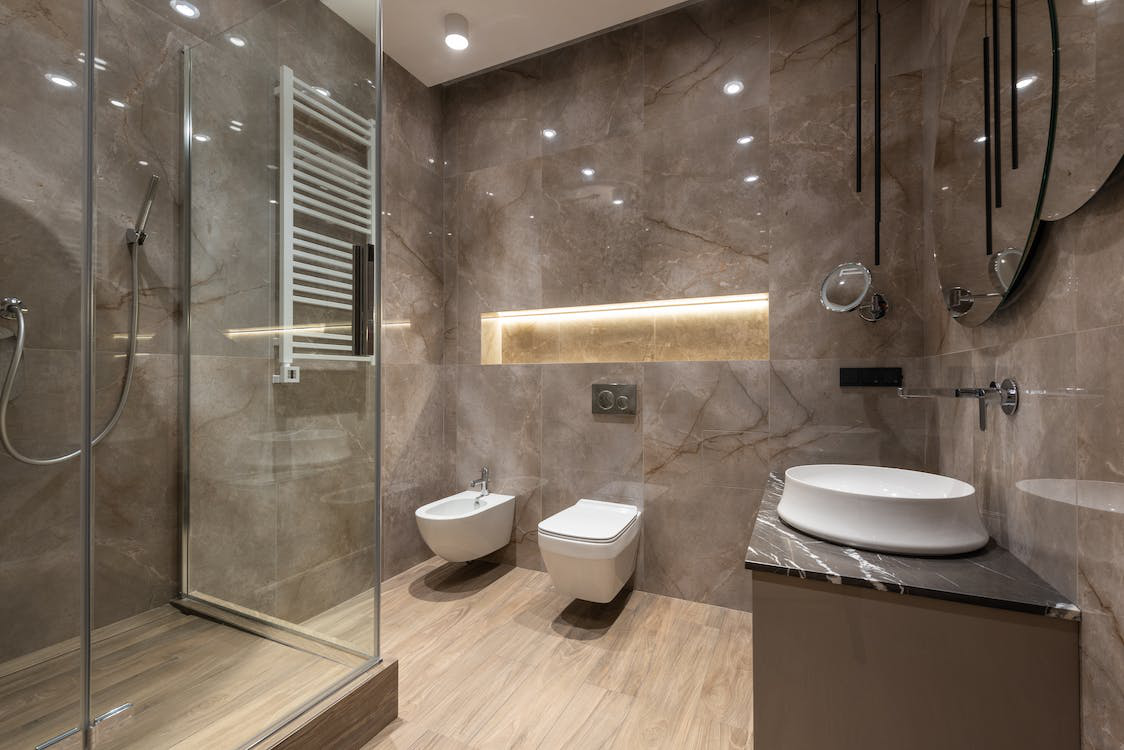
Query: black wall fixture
{"x": 877, "y": 117}
{"x": 877, "y": 133}
{"x": 858, "y": 96}
{"x": 997, "y": 151}
{"x": 1014, "y": 37}
{"x": 987, "y": 142}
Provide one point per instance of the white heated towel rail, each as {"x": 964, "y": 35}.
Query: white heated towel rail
{"x": 325, "y": 268}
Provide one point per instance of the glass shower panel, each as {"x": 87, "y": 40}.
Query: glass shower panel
{"x": 282, "y": 494}
{"x": 42, "y": 255}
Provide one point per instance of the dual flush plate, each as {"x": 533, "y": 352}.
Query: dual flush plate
{"x": 614, "y": 398}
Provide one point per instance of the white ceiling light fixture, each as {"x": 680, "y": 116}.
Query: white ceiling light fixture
{"x": 1022, "y": 83}
{"x": 549, "y": 133}
{"x": 118, "y": 103}
{"x": 733, "y": 88}
{"x": 589, "y": 171}
{"x": 745, "y": 140}
{"x": 456, "y": 31}
{"x": 751, "y": 178}
{"x": 237, "y": 41}
{"x": 202, "y": 137}
{"x": 184, "y": 8}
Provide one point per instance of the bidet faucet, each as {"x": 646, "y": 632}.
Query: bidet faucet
{"x": 482, "y": 482}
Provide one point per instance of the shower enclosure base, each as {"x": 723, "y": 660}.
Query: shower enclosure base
{"x": 192, "y": 683}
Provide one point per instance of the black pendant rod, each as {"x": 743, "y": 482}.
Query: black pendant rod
{"x": 997, "y": 151}
{"x": 1014, "y": 36}
{"x": 877, "y": 133}
{"x": 987, "y": 141}
{"x": 858, "y": 96}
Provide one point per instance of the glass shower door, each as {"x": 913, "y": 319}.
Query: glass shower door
{"x": 43, "y": 254}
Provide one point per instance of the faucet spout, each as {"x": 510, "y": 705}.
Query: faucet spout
{"x": 482, "y": 482}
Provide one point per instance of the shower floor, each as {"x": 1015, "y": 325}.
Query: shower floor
{"x": 491, "y": 656}
{"x": 193, "y": 683}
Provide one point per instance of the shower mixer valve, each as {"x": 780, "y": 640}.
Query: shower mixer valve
{"x": 9, "y": 306}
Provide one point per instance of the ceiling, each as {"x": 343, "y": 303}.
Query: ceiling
{"x": 499, "y": 30}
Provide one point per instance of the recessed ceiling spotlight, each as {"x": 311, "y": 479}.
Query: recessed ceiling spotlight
{"x": 751, "y": 178}
{"x": 143, "y": 163}
{"x": 184, "y": 8}
{"x": 273, "y": 201}
{"x": 745, "y": 140}
{"x": 981, "y": 139}
{"x": 236, "y": 128}
{"x": 236, "y": 123}
{"x": 202, "y": 137}
{"x": 1022, "y": 83}
{"x": 944, "y": 187}
{"x": 456, "y": 31}
{"x": 589, "y": 171}
{"x": 733, "y": 88}
{"x": 322, "y": 91}
{"x": 618, "y": 201}
{"x": 549, "y": 133}
{"x": 118, "y": 103}
{"x": 237, "y": 41}
{"x": 58, "y": 80}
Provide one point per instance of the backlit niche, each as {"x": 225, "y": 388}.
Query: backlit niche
{"x": 731, "y": 327}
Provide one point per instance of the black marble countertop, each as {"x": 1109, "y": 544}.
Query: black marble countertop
{"x": 991, "y": 577}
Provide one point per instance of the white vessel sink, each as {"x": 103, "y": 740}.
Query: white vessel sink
{"x": 885, "y": 510}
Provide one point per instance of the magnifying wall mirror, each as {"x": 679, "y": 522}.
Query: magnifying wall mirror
{"x": 846, "y": 288}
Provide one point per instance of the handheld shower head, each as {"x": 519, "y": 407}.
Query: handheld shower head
{"x": 146, "y": 209}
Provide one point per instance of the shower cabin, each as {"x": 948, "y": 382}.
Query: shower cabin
{"x": 190, "y": 406}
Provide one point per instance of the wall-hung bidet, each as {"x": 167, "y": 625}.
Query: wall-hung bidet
{"x": 13, "y": 308}
{"x": 590, "y": 548}
{"x": 468, "y": 525}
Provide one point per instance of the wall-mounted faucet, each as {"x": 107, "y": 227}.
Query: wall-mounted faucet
{"x": 1007, "y": 394}
{"x": 482, "y": 482}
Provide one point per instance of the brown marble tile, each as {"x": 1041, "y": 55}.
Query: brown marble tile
{"x": 820, "y": 221}
{"x": 705, "y": 227}
{"x": 586, "y": 455}
{"x": 706, "y": 423}
{"x": 592, "y": 247}
{"x": 593, "y": 90}
{"x": 812, "y": 420}
{"x": 499, "y": 425}
{"x": 690, "y": 55}
{"x": 1015, "y": 451}
{"x": 493, "y": 118}
{"x": 497, "y": 240}
{"x": 416, "y": 464}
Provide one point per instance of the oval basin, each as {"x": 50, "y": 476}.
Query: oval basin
{"x": 885, "y": 510}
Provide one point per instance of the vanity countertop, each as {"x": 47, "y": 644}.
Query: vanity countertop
{"x": 991, "y": 577}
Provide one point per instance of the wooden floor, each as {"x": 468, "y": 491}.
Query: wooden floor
{"x": 492, "y": 657}
{"x": 193, "y": 683}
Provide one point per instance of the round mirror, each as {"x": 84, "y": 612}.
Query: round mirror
{"x": 845, "y": 288}
{"x": 993, "y": 147}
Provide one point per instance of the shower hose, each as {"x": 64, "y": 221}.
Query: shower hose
{"x": 21, "y": 330}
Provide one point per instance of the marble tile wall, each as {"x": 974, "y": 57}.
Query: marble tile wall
{"x": 1050, "y": 477}
{"x": 524, "y": 228}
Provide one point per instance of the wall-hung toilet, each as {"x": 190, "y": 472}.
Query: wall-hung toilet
{"x": 590, "y": 548}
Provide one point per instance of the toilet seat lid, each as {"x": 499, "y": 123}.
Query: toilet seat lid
{"x": 591, "y": 520}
